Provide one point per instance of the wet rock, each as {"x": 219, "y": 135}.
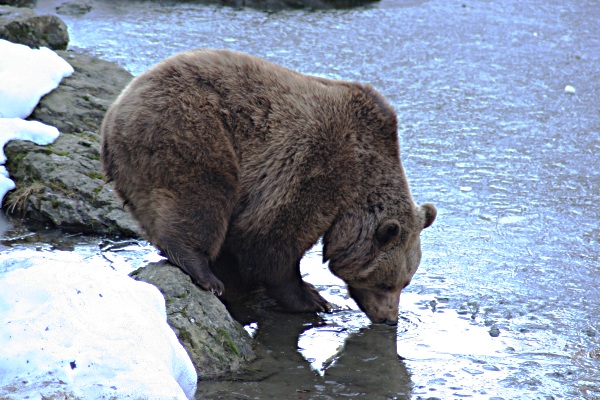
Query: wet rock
{"x": 77, "y": 7}
{"x": 24, "y": 26}
{"x": 19, "y": 3}
{"x": 81, "y": 100}
{"x": 216, "y": 343}
{"x": 62, "y": 183}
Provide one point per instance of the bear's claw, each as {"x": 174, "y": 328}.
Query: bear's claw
{"x": 320, "y": 304}
{"x": 210, "y": 283}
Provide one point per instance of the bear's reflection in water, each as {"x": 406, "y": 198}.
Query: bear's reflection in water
{"x": 365, "y": 366}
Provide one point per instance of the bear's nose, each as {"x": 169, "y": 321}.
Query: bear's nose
{"x": 390, "y": 322}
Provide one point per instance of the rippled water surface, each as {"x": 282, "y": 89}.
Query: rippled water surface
{"x": 506, "y": 303}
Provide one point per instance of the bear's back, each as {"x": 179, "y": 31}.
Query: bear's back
{"x": 257, "y": 101}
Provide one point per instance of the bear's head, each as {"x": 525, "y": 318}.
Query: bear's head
{"x": 377, "y": 256}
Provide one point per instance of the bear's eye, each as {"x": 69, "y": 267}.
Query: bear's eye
{"x": 387, "y": 231}
{"x": 384, "y": 287}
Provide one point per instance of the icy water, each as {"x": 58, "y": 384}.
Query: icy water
{"x": 506, "y": 302}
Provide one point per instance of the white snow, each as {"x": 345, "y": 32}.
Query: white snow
{"x": 87, "y": 330}
{"x": 25, "y": 76}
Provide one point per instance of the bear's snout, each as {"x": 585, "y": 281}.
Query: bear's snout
{"x": 381, "y": 306}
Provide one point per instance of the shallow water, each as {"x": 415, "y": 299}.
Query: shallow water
{"x": 506, "y": 302}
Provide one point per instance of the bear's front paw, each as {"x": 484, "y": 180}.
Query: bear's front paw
{"x": 202, "y": 275}
{"x": 211, "y": 284}
{"x": 318, "y": 303}
{"x": 302, "y": 298}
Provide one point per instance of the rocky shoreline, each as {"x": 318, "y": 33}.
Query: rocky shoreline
{"x": 20, "y": 24}
{"x": 62, "y": 185}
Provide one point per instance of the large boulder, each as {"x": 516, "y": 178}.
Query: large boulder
{"x": 24, "y": 26}
{"x": 62, "y": 183}
{"x": 81, "y": 100}
{"x": 216, "y": 343}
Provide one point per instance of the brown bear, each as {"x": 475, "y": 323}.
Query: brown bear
{"x": 236, "y": 166}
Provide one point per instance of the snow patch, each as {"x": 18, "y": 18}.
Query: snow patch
{"x": 26, "y": 75}
{"x": 86, "y": 329}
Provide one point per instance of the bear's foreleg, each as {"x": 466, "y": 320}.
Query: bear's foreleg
{"x": 297, "y": 296}
{"x": 281, "y": 278}
{"x": 195, "y": 265}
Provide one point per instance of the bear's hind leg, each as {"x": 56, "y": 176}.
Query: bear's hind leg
{"x": 188, "y": 231}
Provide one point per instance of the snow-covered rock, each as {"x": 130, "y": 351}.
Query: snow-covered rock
{"x": 25, "y": 76}
{"x": 62, "y": 184}
{"x": 85, "y": 330}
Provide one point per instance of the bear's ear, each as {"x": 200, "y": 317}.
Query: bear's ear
{"x": 387, "y": 231}
{"x": 429, "y": 213}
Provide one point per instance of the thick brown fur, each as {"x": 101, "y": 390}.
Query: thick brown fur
{"x": 232, "y": 163}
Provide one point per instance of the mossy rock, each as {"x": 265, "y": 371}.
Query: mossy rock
{"x": 216, "y": 343}
{"x": 63, "y": 185}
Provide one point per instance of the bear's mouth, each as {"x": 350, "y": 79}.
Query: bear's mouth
{"x": 384, "y": 321}
{"x": 381, "y": 308}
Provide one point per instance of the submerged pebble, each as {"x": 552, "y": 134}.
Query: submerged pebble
{"x": 494, "y": 331}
